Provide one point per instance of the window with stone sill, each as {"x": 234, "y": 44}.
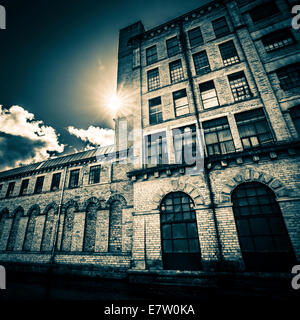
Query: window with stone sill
{"x": 264, "y": 11}
{"x": 153, "y": 79}
{"x": 173, "y": 46}
{"x": 94, "y": 176}
{"x": 151, "y": 55}
{"x": 277, "y": 40}
{"x": 185, "y": 144}
{"x": 155, "y": 111}
{"x": 176, "y": 71}
{"x": 156, "y": 152}
{"x": 55, "y": 181}
{"x": 74, "y": 178}
{"x": 39, "y": 184}
{"x": 24, "y": 187}
{"x": 195, "y": 37}
{"x": 10, "y": 189}
{"x": 208, "y": 94}
{"x": 220, "y": 27}
{"x": 253, "y": 128}
{"x": 218, "y": 137}
{"x": 181, "y": 103}
{"x": 229, "y": 53}
{"x": 201, "y": 63}
{"x": 289, "y": 76}
{"x": 239, "y": 86}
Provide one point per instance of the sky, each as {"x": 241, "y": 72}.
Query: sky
{"x": 58, "y": 65}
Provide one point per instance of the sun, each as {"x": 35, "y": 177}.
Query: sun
{"x": 114, "y": 103}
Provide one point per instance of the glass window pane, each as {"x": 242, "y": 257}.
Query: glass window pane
{"x": 181, "y": 246}
{"x": 179, "y": 230}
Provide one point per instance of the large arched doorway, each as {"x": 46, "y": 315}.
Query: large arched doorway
{"x": 179, "y": 233}
{"x": 263, "y": 236}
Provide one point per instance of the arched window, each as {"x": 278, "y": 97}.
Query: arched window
{"x": 13, "y": 236}
{"x": 115, "y": 227}
{"x": 49, "y": 229}
{"x": 263, "y": 236}
{"x": 90, "y": 228}
{"x": 179, "y": 233}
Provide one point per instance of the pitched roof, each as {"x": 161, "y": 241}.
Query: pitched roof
{"x": 59, "y": 161}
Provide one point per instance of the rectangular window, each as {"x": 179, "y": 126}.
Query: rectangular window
{"x": 263, "y": 11}
{"x": 239, "y": 86}
{"x": 289, "y": 76}
{"x": 253, "y": 128}
{"x": 201, "y": 63}
{"x": 55, "y": 181}
{"x": 24, "y": 187}
{"x": 185, "y": 144}
{"x": 221, "y": 27}
{"x": 218, "y": 136}
{"x": 176, "y": 71}
{"x": 208, "y": 94}
{"x": 155, "y": 111}
{"x": 173, "y": 46}
{"x": 156, "y": 152}
{"x": 277, "y": 40}
{"x": 181, "y": 103}
{"x": 74, "y": 178}
{"x": 151, "y": 55}
{"x": 195, "y": 37}
{"x": 229, "y": 53}
{"x": 153, "y": 79}
{"x": 94, "y": 174}
{"x": 39, "y": 184}
{"x": 10, "y": 189}
{"x": 295, "y": 115}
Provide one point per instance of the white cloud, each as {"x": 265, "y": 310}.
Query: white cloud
{"x": 27, "y": 139}
{"x": 94, "y": 135}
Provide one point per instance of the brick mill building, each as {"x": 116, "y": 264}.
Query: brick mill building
{"x": 227, "y": 74}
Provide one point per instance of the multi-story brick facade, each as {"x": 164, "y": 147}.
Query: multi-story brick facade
{"x": 228, "y": 73}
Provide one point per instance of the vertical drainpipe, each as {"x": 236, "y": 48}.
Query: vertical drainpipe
{"x": 183, "y": 42}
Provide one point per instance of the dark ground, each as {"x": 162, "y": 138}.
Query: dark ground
{"x": 33, "y": 287}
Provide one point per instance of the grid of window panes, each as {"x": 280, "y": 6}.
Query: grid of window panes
{"x": 39, "y": 184}
{"x": 278, "y": 39}
{"x": 181, "y": 103}
{"x": 253, "y": 128}
{"x": 208, "y": 94}
{"x": 24, "y": 187}
{"x": 289, "y": 76}
{"x": 239, "y": 86}
{"x": 10, "y": 189}
{"x": 195, "y": 37}
{"x": 185, "y": 144}
{"x": 201, "y": 63}
{"x": 151, "y": 55}
{"x": 263, "y": 11}
{"x": 221, "y": 27}
{"x": 173, "y": 46}
{"x": 156, "y": 149}
{"x": 295, "y": 115}
{"x": 178, "y": 224}
{"x": 218, "y": 136}
{"x": 55, "y": 181}
{"x": 74, "y": 178}
{"x": 229, "y": 53}
{"x": 258, "y": 218}
{"x": 94, "y": 176}
{"x": 176, "y": 71}
{"x": 153, "y": 79}
{"x": 155, "y": 111}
